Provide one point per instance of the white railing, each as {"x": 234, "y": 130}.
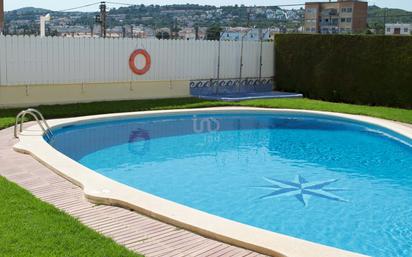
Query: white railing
{"x": 55, "y": 60}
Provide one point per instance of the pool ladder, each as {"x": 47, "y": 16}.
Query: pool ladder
{"x": 39, "y": 119}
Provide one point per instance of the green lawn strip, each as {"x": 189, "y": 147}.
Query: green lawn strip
{"x": 72, "y": 110}
{"x": 389, "y": 113}
{"x": 30, "y": 227}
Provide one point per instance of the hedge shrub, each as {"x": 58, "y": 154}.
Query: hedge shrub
{"x": 373, "y": 70}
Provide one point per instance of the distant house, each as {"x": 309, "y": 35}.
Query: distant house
{"x": 398, "y": 29}
{"x": 187, "y": 34}
{"x": 270, "y": 14}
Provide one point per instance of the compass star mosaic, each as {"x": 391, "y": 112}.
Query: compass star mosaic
{"x": 302, "y": 189}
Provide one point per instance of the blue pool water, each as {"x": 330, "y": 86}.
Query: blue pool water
{"x": 332, "y": 181}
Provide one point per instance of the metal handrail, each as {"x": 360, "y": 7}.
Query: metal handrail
{"x": 41, "y": 118}
{"x": 35, "y": 114}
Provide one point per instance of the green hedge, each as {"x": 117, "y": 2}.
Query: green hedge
{"x": 374, "y": 70}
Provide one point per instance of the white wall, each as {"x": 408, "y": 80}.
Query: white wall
{"x": 35, "y": 60}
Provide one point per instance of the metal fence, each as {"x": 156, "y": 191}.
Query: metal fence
{"x": 53, "y": 60}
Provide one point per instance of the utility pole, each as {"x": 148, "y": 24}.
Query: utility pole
{"x": 196, "y": 32}
{"x": 91, "y": 29}
{"x": 248, "y": 17}
{"x": 384, "y": 20}
{"x": 103, "y": 15}
{"x": 1, "y": 17}
{"x": 102, "y": 19}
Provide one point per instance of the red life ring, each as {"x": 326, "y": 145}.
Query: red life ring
{"x": 132, "y": 63}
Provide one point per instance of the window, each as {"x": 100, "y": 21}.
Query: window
{"x": 311, "y": 10}
{"x": 347, "y": 10}
{"x": 388, "y": 30}
{"x": 348, "y": 19}
{"x": 343, "y": 20}
{"x": 406, "y": 30}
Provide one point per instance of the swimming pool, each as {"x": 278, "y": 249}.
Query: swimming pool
{"x": 326, "y": 179}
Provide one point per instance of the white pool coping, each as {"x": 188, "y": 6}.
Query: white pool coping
{"x": 100, "y": 189}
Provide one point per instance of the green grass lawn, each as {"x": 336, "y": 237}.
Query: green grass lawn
{"x": 29, "y": 227}
{"x": 71, "y": 110}
{"x": 7, "y": 116}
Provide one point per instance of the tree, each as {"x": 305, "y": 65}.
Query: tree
{"x": 162, "y": 35}
{"x": 213, "y": 32}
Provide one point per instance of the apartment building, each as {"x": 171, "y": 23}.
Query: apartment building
{"x": 343, "y": 16}
{"x": 1, "y": 16}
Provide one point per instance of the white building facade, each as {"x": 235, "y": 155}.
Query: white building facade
{"x": 398, "y": 29}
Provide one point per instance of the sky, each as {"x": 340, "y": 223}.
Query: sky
{"x": 61, "y": 5}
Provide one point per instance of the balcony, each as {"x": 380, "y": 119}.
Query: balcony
{"x": 329, "y": 12}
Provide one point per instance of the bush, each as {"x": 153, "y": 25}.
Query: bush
{"x": 374, "y": 70}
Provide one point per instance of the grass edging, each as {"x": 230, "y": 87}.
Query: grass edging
{"x": 7, "y": 116}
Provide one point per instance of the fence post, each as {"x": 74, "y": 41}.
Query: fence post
{"x": 218, "y": 64}
{"x": 241, "y": 61}
{"x": 260, "y": 56}
{"x": 274, "y": 62}
{"x": 218, "y": 60}
{"x": 241, "y": 57}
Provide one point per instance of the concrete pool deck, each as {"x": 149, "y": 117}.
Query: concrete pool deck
{"x": 98, "y": 188}
{"x": 137, "y": 232}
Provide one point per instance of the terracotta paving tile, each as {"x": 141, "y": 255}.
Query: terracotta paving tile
{"x": 203, "y": 248}
{"x": 196, "y": 241}
{"x": 160, "y": 236}
{"x": 133, "y": 230}
{"x": 241, "y": 253}
{"x": 220, "y": 247}
{"x": 176, "y": 240}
